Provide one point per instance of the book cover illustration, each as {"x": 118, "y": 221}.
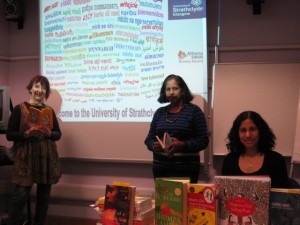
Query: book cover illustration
{"x": 170, "y": 201}
{"x": 243, "y": 200}
{"x": 202, "y": 204}
{"x": 43, "y": 117}
{"x": 118, "y": 205}
{"x": 284, "y": 206}
{"x": 165, "y": 141}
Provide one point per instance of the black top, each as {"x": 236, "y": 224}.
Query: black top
{"x": 274, "y": 166}
{"x": 14, "y": 133}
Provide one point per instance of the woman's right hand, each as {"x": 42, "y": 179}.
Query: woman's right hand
{"x": 36, "y": 131}
{"x": 157, "y": 147}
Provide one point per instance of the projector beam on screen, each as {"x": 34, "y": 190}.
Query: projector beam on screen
{"x": 106, "y": 61}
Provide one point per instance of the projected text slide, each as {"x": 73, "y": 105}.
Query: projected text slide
{"x": 108, "y": 59}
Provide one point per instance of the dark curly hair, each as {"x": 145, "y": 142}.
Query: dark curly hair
{"x": 266, "y": 136}
{"x": 187, "y": 96}
{"x": 44, "y": 82}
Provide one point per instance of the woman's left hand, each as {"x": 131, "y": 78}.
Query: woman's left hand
{"x": 46, "y": 131}
{"x": 40, "y": 129}
{"x": 175, "y": 144}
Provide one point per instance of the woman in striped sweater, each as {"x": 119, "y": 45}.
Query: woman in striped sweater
{"x": 186, "y": 124}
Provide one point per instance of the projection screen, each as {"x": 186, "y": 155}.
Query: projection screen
{"x": 106, "y": 61}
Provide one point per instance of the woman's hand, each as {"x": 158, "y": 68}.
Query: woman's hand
{"x": 36, "y": 131}
{"x": 175, "y": 144}
{"x": 157, "y": 147}
{"x": 46, "y": 131}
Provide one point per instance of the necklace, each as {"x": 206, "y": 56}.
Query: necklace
{"x": 178, "y": 114}
{"x": 253, "y": 161}
{"x": 172, "y": 121}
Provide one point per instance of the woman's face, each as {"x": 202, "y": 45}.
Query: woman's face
{"x": 173, "y": 91}
{"x": 38, "y": 92}
{"x": 249, "y": 134}
{"x": 111, "y": 194}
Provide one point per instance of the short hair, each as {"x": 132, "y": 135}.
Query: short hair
{"x": 44, "y": 82}
{"x": 266, "y": 136}
{"x": 187, "y": 95}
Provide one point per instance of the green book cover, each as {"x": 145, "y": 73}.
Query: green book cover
{"x": 170, "y": 201}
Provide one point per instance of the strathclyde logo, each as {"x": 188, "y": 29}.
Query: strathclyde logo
{"x": 186, "y": 9}
{"x": 181, "y": 55}
{"x": 196, "y": 2}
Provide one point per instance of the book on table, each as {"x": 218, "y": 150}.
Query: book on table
{"x": 202, "y": 205}
{"x": 243, "y": 199}
{"x": 43, "y": 117}
{"x": 142, "y": 203}
{"x": 171, "y": 201}
{"x": 143, "y": 210}
{"x": 144, "y": 215}
{"x": 149, "y": 221}
{"x": 118, "y": 205}
{"x": 284, "y": 206}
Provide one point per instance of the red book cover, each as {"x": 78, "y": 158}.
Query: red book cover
{"x": 118, "y": 205}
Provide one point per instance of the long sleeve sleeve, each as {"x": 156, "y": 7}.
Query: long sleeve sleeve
{"x": 13, "y": 132}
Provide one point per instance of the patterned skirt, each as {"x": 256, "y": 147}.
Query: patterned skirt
{"x": 36, "y": 161}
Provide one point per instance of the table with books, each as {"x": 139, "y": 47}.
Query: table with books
{"x": 229, "y": 200}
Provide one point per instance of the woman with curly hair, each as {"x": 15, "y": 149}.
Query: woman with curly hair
{"x": 250, "y": 143}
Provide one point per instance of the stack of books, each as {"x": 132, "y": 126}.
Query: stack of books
{"x": 143, "y": 211}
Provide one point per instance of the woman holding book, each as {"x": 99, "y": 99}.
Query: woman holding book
{"x": 250, "y": 145}
{"x": 181, "y": 126}
{"x": 36, "y": 160}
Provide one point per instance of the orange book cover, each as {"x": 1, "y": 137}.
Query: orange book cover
{"x": 43, "y": 117}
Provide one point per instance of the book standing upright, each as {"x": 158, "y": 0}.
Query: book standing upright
{"x": 119, "y": 205}
{"x": 171, "y": 201}
{"x": 202, "y": 204}
{"x": 284, "y": 206}
{"x": 243, "y": 199}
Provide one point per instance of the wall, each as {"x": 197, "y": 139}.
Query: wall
{"x": 4, "y": 50}
{"x": 237, "y": 83}
{"x": 269, "y": 37}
